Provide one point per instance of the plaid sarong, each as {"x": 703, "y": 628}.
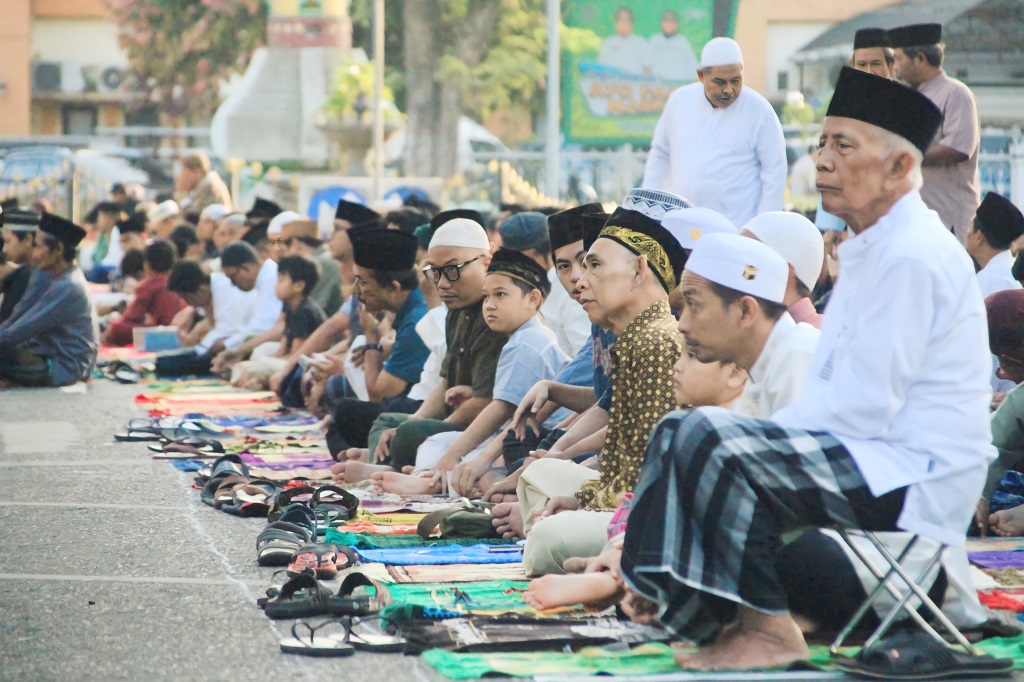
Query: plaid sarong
{"x": 716, "y": 497}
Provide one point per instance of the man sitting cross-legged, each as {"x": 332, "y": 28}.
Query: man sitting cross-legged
{"x": 514, "y": 290}
{"x": 891, "y": 430}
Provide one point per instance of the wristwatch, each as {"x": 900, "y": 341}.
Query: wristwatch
{"x": 373, "y": 346}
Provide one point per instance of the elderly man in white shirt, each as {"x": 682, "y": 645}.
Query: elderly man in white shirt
{"x": 891, "y": 430}
{"x": 719, "y": 144}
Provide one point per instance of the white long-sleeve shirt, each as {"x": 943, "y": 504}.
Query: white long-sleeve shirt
{"x": 731, "y": 160}
{"x": 997, "y": 275}
{"x": 780, "y": 372}
{"x": 266, "y": 310}
{"x": 231, "y": 308}
{"x": 565, "y": 317}
{"x": 900, "y": 375}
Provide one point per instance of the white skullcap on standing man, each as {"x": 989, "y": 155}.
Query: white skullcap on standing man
{"x": 721, "y": 52}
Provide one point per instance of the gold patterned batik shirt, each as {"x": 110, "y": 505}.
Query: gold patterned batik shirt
{"x": 643, "y": 360}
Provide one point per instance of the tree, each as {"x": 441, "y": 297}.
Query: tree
{"x": 180, "y": 51}
{"x": 446, "y": 58}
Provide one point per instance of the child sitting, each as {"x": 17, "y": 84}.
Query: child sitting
{"x": 297, "y": 276}
{"x": 131, "y": 272}
{"x": 514, "y": 289}
{"x": 154, "y": 304}
{"x": 696, "y": 384}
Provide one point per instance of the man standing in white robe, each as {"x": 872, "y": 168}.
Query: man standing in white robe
{"x": 719, "y": 144}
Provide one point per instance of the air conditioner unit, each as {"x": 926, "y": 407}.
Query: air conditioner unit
{"x": 101, "y": 78}
{"x": 46, "y": 76}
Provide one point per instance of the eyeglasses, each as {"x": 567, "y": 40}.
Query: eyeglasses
{"x": 451, "y": 272}
{"x": 281, "y": 242}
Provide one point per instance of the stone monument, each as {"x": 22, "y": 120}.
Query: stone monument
{"x": 271, "y": 114}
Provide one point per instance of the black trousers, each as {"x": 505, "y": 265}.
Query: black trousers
{"x": 353, "y": 419}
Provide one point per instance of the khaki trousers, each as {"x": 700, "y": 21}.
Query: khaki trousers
{"x": 552, "y": 540}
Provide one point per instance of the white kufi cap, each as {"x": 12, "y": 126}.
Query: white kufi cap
{"x": 163, "y": 211}
{"x": 463, "y": 233}
{"x": 741, "y": 264}
{"x": 688, "y": 225}
{"x": 721, "y": 52}
{"x": 278, "y": 222}
{"x": 214, "y": 212}
{"x": 793, "y": 237}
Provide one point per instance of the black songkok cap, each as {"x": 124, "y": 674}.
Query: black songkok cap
{"x": 444, "y": 216}
{"x": 999, "y": 220}
{"x": 517, "y": 265}
{"x": 64, "y": 230}
{"x": 871, "y": 37}
{"x": 566, "y": 227}
{"x": 646, "y": 237}
{"x": 384, "y": 250}
{"x": 593, "y": 223}
{"x": 887, "y": 105}
{"x": 264, "y": 208}
{"x": 355, "y": 214}
{"x": 915, "y": 35}
{"x": 136, "y": 222}
{"x": 18, "y": 221}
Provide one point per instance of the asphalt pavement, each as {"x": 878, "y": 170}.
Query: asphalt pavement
{"x": 112, "y": 569}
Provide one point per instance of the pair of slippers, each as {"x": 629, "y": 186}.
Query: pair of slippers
{"x": 304, "y": 597}
{"x": 919, "y": 656}
{"x": 341, "y": 637}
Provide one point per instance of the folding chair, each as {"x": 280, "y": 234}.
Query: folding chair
{"x": 903, "y": 598}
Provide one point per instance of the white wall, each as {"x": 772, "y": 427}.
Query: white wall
{"x": 90, "y": 42}
{"x": 782, "y": 41}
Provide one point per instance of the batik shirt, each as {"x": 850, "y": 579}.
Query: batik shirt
{"x": 642, "y": 361}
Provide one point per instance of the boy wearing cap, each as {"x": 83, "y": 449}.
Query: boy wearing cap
{"x": 50, "y": 337}
{"x": 719, "y": 144}
{"x": 527, "y": 232}
{"x": 162, "y": 218}
{"x": 514, "y": 289}
{"x": 952, "y": 185}
{"x": 19, "y": 231}
{"x": 800, "y": 244}
{"x": 890, "y": 431}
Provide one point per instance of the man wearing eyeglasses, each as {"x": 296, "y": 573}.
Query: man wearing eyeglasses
{"x": 457, "y": 260}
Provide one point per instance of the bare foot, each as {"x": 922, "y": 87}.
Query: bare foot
{"x": 403, "y": 484}
{"x": 354, "y": 471}
{"x": 639, "y": 609}
{"x": 552, "y": 591}
{"x": 1007, "y": 522}
{"x": 356, "y": 454}
{"x": 575, "y": 564}
{"x": 508, "y": 520}
{"x": 759, "y": 641}
{"x": 498, "y": 498}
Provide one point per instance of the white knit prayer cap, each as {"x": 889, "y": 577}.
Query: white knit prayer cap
{"x": 741, "y": 264}
{"x": 214, "y": 212}
{"x": 721, "y": 52}
{"x": 463, "y": 233}
{"x": 688, "y": 225}
{"x": 793, "y": 237}
{"x": 163, "y": 211}
{"x": 278, "y": 222}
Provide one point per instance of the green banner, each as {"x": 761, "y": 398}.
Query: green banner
{"x": 614, "y": 85}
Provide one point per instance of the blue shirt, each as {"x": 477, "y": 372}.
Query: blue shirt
{"x": 532, "y": 354}
{"x": 54, "y": 320}
{"x": 603, "y": 340}
{"x": 409, "y": 352}
{"x": 580, "y": 370}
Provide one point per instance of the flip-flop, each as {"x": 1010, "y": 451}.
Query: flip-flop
{"x": 918, "y": 656}
{"x": 369, "y": 634}
{"x": 309, "y": 643}
{"x": 324, "y": 558}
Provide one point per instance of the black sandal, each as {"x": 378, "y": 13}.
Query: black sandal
{"x": 918, "y": 656}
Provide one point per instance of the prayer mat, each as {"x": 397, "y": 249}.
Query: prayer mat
{"x": 1005, "y": 647}
{"x": 341, "y": 536}
{"x": 456, "y": 573}
{"x": 216, "y": 398}
{"x": 390, "y": 519}
{"x": 997, "y": 559}
{"x": 1006, "y": 577}
{"x": 290, "y": 474}
{"x": 991, "y": 544}
{"x": 437, "y": 556}
{"x": 1002, "y": 600}
{"x": 308, "y": 460}
{"x": 645, "y": 659}
{"x": 479, "y": 635}
{"x": 418, "y": 601}
{"x": 361, "y": 526}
